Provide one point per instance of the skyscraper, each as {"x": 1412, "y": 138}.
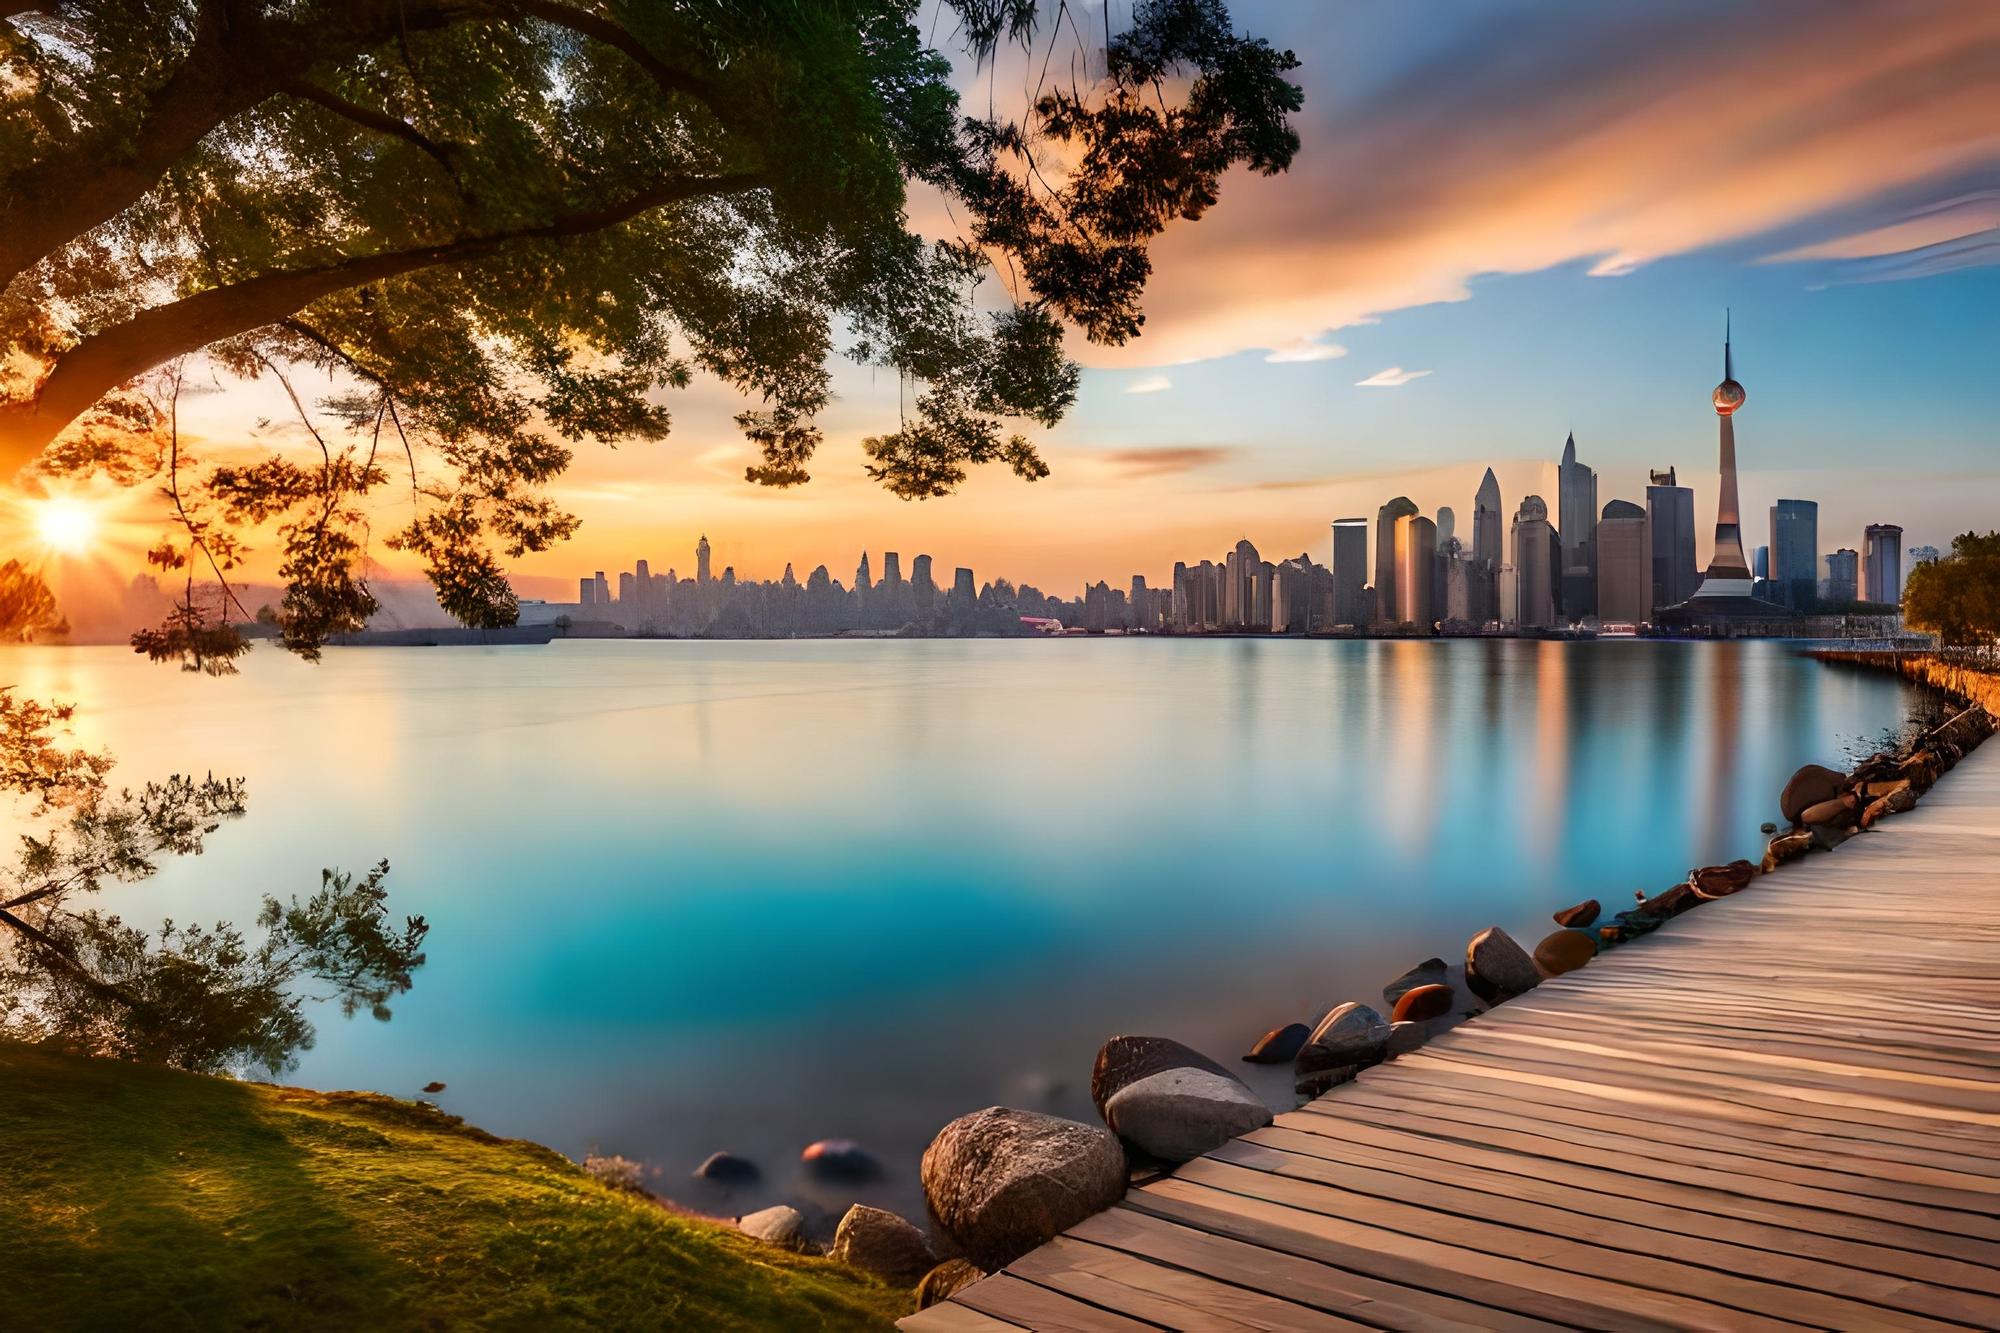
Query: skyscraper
{"x": 1350, "y": 569}
{"x": 862, "y": 583}
{"x": 701, "y": 560}
{"x": 1385, "y": 556}
{"x": 1447, "y": 526}
{"x": 1843, "y": 576}
{"x": 1794, "y": 572}
{"x": 1728, "y": 572}
{"x": 1416, "y": 572}
{"x": 892, "y": 571}
{"x": 1577, "y": 500}
{"x": 1624, "y": 565}
{"x": 1882, "y": 564}
{"x": 1670, "y": 518}
{"x": 921, "y": 584}
{"x": 1535, "y": 560}
{"x": 1489, "y": 551}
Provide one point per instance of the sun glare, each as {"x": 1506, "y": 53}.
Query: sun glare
{"x": 68, "y": 526}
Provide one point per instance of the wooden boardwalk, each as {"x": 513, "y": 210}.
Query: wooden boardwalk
{"x": 1781, "y": 1110}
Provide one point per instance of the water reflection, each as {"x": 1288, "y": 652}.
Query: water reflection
{"x": 744, "y": 895}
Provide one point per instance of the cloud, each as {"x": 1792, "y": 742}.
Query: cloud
{"x": 1949, "y": 220}
{"x": 1613, "y": 134}
{"x": 1150, "y": 384}
{"x": 1395, "y": 377}
{"x": 1166, "y": 459}
{"x": 1303, "y": 349}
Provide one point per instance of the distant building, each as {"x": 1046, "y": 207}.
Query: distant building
{"x": 1489, "y": 552}
{"x": 1447, "y": 526}
{"x": 1577, "y": 501}
{"x": 1794, "y": 558}
{"x": 701, "y": 560}
{"x": 1760, "y": 563}
{"x": 1882, "y": 564}
{"x": 1416, "y": 572}
{"x": 1535, "y": 560}
{"x": 586, "y": 592}
{"x": 1843, "y": 576}
{"x": 862, "y": 583}
{"x": 1386, "y": 603}
{"x": 1728, "y": 575}
{"x": 1670, "y": 520}
{"x": 922, "y": 587}
{"x": 1624, "y": 565}
{"x": 892, "y": 571}
{"x": 1350, "y": 570}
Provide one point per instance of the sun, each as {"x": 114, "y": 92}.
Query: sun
{"x": 68, "y": 526}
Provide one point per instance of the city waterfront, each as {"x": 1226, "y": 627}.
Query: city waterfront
{"x": 699, "y": 896}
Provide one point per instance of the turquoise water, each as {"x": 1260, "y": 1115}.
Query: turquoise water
{"x": 695, "y": 896}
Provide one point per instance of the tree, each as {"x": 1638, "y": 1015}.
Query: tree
{"x": 1958, "y": 597}
{"x": 511, "y": 225}
{"x": 200, "y": 998}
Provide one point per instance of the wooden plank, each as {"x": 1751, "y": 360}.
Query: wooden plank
{"x": 1169, "y": 1297}
{"x": 1582, "y": 1299}
{"x": 1784, "y": 1258}
{"x": 1577, "y": 1244}
{"x": 1030, "y": 1306}
{"x": 1322, "y": 1285}
{"x": 950, "y": 1317}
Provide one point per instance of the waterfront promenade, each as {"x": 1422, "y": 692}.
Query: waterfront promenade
{"x": 1781, "y": 1110}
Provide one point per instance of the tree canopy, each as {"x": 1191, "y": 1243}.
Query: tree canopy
{"x": 1958, "y": 597}
{"x": 513, "y": 226}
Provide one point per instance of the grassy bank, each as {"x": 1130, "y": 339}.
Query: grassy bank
{"x": 136, "y": 1197}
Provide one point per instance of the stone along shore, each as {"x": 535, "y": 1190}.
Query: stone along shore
{"x": 1001, "y": 1182}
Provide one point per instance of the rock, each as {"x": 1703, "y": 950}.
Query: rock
{"x": 780, "y": 1225}
{"x": 1124, "y": 1060}
{"x": 1422, "y": 1003}
{"x": 433, "y": 1087}
{"x": 1721, "y": 881}
{"x": 1840, "y": 812}
{"x": 1406, "y": 1037}
{"x": 1279, "y": 1045}
{"x": 1826, "y": 837}
{"x": 1767, "y": 827}
{"x": 999, "y": 1182}
{"x": 1893, "y": 803}
{"x": 879, "y": 1242}
{"x": 1786, "y": 847}
{"x": 1565, "y": 951}
{"x": 1496, "y": 968}
{"x": 1178, "y": 1114}
{"x": 726, "y": 1168}
{"x": 839, "y": 1159}
{"x": 1875, "y": 791}
{"x": 945, "y": 1281}
{"x": 1583, "y": 914}
{"x": 1430, "y": 972}
{"x": 1353, "y": 1034}
{"x": 1320, "y": 1081}
{"x": 1809, "y": 786}
{"x": 1672, "y": 903}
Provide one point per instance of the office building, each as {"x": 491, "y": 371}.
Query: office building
{"x": 701, "y": 559}
{"x": 1882, "y": 564}
{"x": 1843, "y": 577}
{"x": 1386, "y": 603}
{"x": 1350, "y": 570}
{"x": 1624, "y": 565}
{"x": 1576, "y": 496}
{"x": 1670, "y": 523}
{"x": 1794, "y": 558}
{"x": 1535, "y": 565}
{"x": 1416, "y": 572}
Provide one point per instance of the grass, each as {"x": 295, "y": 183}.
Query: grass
{"x": 138, "y": 1197}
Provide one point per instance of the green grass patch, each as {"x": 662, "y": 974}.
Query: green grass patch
{"x": 139, "y": 1197}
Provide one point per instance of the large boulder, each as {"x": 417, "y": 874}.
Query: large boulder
{"x": 726, "y": 1168}
{"x": 1352, "y": 1034}
{"x": 1279, "y": 1045}
{"x": 1430, "y": 972}
{"x": 999, "y": 1182}
{"x": 1583, "y": 914}
{"x": 1420, "y": 1004}
{"x": 945, "y": 1281}
{"x": 1497, "y": 968}
{"x": 1721, "y": 881}
{"x": 879, "y": 1242}
{"x": 1843, "y": 811}
{"x": 1124, "y": 1060}
{"x": 1565, "y": 951}
{"x": 1786, "y": 847}
{"x": 1178, "y": 1114}
{"x": 1809, "y": 786}
{"x": 1406, "y": 1037}
{"x": 778, "y": 1225}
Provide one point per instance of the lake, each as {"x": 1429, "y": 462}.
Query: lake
{"x": 698, "y": 896}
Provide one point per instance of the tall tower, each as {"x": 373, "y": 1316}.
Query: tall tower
{"x": 701, "y": 560}
{"x": 1486, "y": 518}
{"x": 1728, "y": 572}
{"x": 1576, "y": 500}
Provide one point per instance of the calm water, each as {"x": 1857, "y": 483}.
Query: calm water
{"x": 744, "y": 895}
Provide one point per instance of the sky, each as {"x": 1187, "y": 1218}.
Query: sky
{"x": 1508, "y": 221}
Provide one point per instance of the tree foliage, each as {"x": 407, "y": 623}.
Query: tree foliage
{"x": 1958, "y": 597}
{"x": 206, "y": 998}
{"x": 512, "y": 227}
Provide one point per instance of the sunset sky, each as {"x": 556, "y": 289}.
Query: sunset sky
{"x": 1520, "y": 222}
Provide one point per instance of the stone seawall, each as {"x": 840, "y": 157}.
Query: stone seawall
{"x": 1969, "y": 683}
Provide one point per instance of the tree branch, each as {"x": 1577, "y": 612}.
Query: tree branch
{"x": 58, "y": 954}
{"x": 108, "y": 358}
{"x": 369, "y": 118}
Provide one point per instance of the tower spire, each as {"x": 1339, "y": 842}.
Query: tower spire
{"x": 1728, "y": 372}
